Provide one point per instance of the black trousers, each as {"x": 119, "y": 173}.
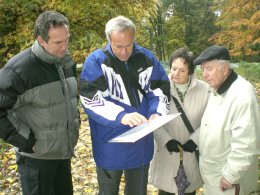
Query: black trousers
{"x": 135, "y": 181}
{"x": 45, "y": 177}
{"x": 161, "y": 192}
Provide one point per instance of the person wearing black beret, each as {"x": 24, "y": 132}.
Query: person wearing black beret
{"x": 212, "y": 53}
{"x": 190, "y": 94}
{"x": 229, "y": 141}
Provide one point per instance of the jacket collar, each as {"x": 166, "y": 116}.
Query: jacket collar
{"x": 227, "y": 83}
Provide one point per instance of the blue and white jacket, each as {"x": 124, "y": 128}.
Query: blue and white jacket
{"x": 109, "y": 89}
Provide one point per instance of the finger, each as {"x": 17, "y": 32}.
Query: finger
{"x": 126, "y": 120}
{"x": 222, "y": 188}
{"x": 154, "y": 116}
{"x": 139, "y": 118}
{"x": 131, "y": 124}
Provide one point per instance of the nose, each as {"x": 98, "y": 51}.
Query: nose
{"x": 205, "y": 74}
{"x": 124, "y": 51}
{"x": 64, "y": 46}
{"x": 177, "y": 72}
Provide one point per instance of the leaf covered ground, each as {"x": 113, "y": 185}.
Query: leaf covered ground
{"x": 83, "y": 167}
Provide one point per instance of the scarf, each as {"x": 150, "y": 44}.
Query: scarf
{"x": 182, "y": 89}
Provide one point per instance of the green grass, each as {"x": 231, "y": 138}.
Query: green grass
{"x": 250, "y": 71}
{"x": 3, "y": 146}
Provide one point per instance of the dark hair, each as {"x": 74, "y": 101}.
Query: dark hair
{"x": 46, "y": 20}
{"x": 184, "y": 54}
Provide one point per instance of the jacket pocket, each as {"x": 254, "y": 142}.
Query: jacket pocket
{"x": 51, "y": 142}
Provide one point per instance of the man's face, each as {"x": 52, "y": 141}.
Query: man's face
{"x": 214, "y": 73}
{"x": 57, "y": 44}
{"x": 122, "y": 44}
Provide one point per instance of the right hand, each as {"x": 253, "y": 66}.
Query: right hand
{"x": 30, "y": 144}
{"x": 189, "y": 146}
{"x": 172, "y": 145}
{"x": 133, "y": 119}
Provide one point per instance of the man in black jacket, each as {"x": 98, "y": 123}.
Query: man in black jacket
{"x": 38, "y": 108}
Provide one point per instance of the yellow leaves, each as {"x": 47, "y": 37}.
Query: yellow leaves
{"x": 242, "y": 20}
{"x": 4, "y": 160}
{"x": 257, "y": 87}
{"x": 83, "y": 167}
{"x": 12, "y": 167}
{"x": 8, "y": 174}
{"x": 88, "y": 191}
{"x": 10, "y": 180}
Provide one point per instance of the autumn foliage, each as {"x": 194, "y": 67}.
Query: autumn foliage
{"x": 239, "y": 22}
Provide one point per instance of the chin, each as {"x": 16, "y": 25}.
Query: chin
{"x": 123, "y": 59}
{"x": 177, "y": 81}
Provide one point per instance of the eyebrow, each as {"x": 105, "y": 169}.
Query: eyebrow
{"x": 62, "y": 40}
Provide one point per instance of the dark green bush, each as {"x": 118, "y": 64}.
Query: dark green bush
{"x": 250, "y": 71}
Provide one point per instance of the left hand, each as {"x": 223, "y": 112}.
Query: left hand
{"x": 153, "y": 116}
{"x": 224, "y": 184}
{"x": 189, "y": 146}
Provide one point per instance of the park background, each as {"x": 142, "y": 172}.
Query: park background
{"x": 162, "y": 27}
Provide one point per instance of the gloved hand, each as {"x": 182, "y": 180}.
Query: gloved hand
{"x": 172, "y": 145}
{"x": 28, "y": 144}
{"x": 189, "y": 146}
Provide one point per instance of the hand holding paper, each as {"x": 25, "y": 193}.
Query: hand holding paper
{"x": 144, "y": 129}
{"x": 133, "y": 119}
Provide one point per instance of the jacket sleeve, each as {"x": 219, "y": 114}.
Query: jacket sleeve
{"x": 94, "y": 95}
{"x": 11, "y": 86}
{"x": 159, "y": 90}
{"x": 245, "y": 140}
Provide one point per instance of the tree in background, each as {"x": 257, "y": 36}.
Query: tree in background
{"x": 16, "y": 26}
{"x": 162, "y": 25}
{"x": 240, "y": 27}
{"x": 157, "y": 33}
{"x": 183, "y": 23}
{"x": 87, "y": 22}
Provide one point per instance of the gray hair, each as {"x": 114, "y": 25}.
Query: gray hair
{"x": 119, "y": 23}
{"x": 46, "y": 20}
{"x": 230, "y": 65}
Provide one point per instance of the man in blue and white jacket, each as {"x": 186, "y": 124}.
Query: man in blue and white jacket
{"x": 121, "y": 86}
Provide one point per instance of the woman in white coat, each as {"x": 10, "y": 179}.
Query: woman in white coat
{"x": 193, "y": 95}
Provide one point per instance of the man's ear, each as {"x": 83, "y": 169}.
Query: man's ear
{"x": 41, "y": 41}
{"x": 226, "y": 68}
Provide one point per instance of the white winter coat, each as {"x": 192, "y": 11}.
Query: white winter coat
{"x": 165, "y": 165}
{"x": 229, "y": 139}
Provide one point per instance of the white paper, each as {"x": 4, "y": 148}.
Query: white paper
{"x": 144, "y": 129}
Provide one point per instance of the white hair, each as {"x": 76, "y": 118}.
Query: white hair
{"x": 230, "y": 65}
{"x": 119, "y": 23}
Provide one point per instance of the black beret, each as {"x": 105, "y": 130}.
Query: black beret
{"x": 212, "y": 53}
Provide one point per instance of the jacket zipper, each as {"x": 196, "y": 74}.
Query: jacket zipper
{"x": 130, "y": 85}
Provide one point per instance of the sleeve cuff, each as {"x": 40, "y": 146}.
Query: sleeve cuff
{"x": 230, "y": 175}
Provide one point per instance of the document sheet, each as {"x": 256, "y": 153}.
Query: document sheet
{"x": 144, "y": 129}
